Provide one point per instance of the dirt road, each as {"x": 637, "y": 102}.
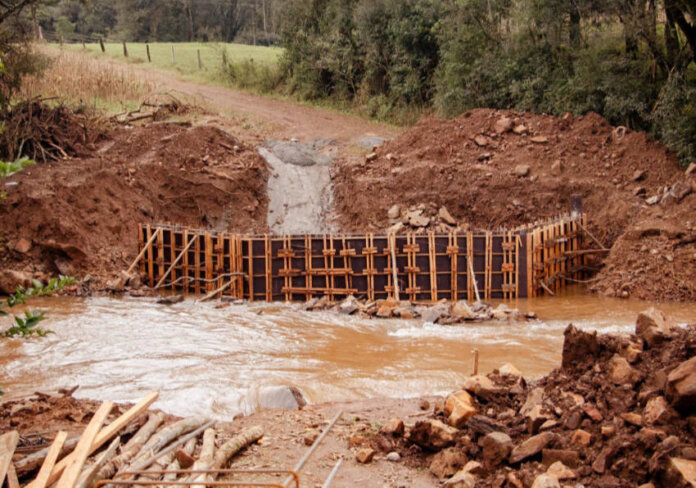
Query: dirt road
{"x": 278, "y": 118}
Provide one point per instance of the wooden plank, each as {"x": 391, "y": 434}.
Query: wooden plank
{"x": 12, "y": 480}
{"x": 209, "y": 284}
{"x": 104, "y": 435}
{"x": 72, "y": 470}
{"x": 176, "y": 261}
{"x": 8, "y": 444}
{"x": 51, "y": 458}
{"x": 269, "y": 268}
{"x": 145, "y": 249}
{"x": 251, "y": 269}
{"x": 197, "y": 266}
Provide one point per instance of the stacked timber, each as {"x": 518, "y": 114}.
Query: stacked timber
{"x": 131, "y": 447}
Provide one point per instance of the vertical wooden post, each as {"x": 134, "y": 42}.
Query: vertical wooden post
{"x": 197, "y": 265}
{"x": 269, "y": 268}
{"x": 83, "y": 43}
{"x": 308, "y": 266}
{"x": 250, "y": 244}
{"x": 198, "y": 54}
{"x": 208, "y": 253}
{"x": 187, "y": 282}
{"x": 392, "y": 247}
{"x": 173, "y": 62}
{"x": 125, "y": 50}
{"x": 60, "y": 39}
{"x": 150, "y": 259}
{"x": 433, "y": 267}
{"x": 224, "y": 59}
{"x": 147, "y": 50}
{"x": 101, "y": 45}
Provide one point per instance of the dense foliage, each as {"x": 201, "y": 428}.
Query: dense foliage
{"x": 629, "y": 60}
{"x": 247, "y": 21}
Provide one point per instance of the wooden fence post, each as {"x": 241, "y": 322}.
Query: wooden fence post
{"x": 101, "y": 44}
{"x": 147, "y": 49}
{"x": 83, "y": 43}
{"x": 125, "y": 49}
{"x": 60, "y": 39}
{"x": 173, "y": 54}
{"x": 224, "y": 59}
{"x": 198, "y": 53}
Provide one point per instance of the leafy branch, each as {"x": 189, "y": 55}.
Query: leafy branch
{"x": 27, "y": 325}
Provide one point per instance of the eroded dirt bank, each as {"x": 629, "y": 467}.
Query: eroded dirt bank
{"x": 490, "y": 168}
{"x": 80, "y": 216}
{"x": 618, "y": 412}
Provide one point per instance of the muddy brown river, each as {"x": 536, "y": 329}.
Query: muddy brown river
{"x": 221, "y": 361}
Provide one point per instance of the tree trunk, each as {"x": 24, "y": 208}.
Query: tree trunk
{"x": 189, "y": 15}
{"x": 689, "y": 29}
{"x": 671, "y": 40}
{"x": 575, "y": 32}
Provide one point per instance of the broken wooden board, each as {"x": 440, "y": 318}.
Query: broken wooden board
{"x": 78, "y": 457}
{"x": 8, "y": 444}
{"x": 104, "y": 435}
{"x": 50, "y": 461}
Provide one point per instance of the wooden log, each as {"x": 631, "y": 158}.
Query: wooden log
{"x": 166, "y": 435}
{"x": 84, "y": 447}
{"x": 230, "y": 448}
{"x": 147, "y": 50}
{"x": 51, "y": 457}
{"x": 101, "y": 45}
{"x": 131, "y": 448}
{"x": 175, "y": 465}
{"x": 206, "y": 458}
{"x": 89, "y": 474}
{"x": 104, "y": 435}
{"x": 8, "y": 444}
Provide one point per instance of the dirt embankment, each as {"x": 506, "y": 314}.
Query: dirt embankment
{"x": 80, "y": 216}
{"x": 492, "y": 168}
{"x": 618, "y": 413}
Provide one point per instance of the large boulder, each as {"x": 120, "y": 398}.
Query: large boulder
{"x": 10, "y": 280}
{"x": 459, "y": 408}
{"x": 481, "y": 386}
{"x": 681, "y": 386}
{"x": 653, "y": 327}
{"x": 578, "y": 347}
{"x": 433, "y": 435}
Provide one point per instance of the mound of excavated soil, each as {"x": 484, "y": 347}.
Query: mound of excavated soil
{"x": 80, "y": 216}
{"x": 618, "y": 413}
{"x": 492, "y": 169}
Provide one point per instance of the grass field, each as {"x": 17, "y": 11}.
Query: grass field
{"x": 186, "y": 56}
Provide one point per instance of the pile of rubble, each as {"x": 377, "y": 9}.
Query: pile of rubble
{"x": 620, "y": 412}
{"x": 422, "y": 218}
{"x": 442, "y": 312}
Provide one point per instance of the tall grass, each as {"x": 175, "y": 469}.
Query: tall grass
{"x": 77, "y": 79}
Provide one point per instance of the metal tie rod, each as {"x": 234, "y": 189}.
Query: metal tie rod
{"x": 311, "y": 450}
{"x": 332, "y": 474}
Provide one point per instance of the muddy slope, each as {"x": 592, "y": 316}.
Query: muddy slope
{"x": 80, "y": 216}
{"x": 494, "y": 168}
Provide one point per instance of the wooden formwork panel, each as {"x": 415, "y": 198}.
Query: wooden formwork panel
{"x": 429, "y": 267}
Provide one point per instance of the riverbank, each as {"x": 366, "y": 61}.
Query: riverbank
{"x": 617, "y": 412}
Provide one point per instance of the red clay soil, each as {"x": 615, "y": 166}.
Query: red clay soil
{"x": 80, "y": 216}
{"x": 438, "y": 163}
